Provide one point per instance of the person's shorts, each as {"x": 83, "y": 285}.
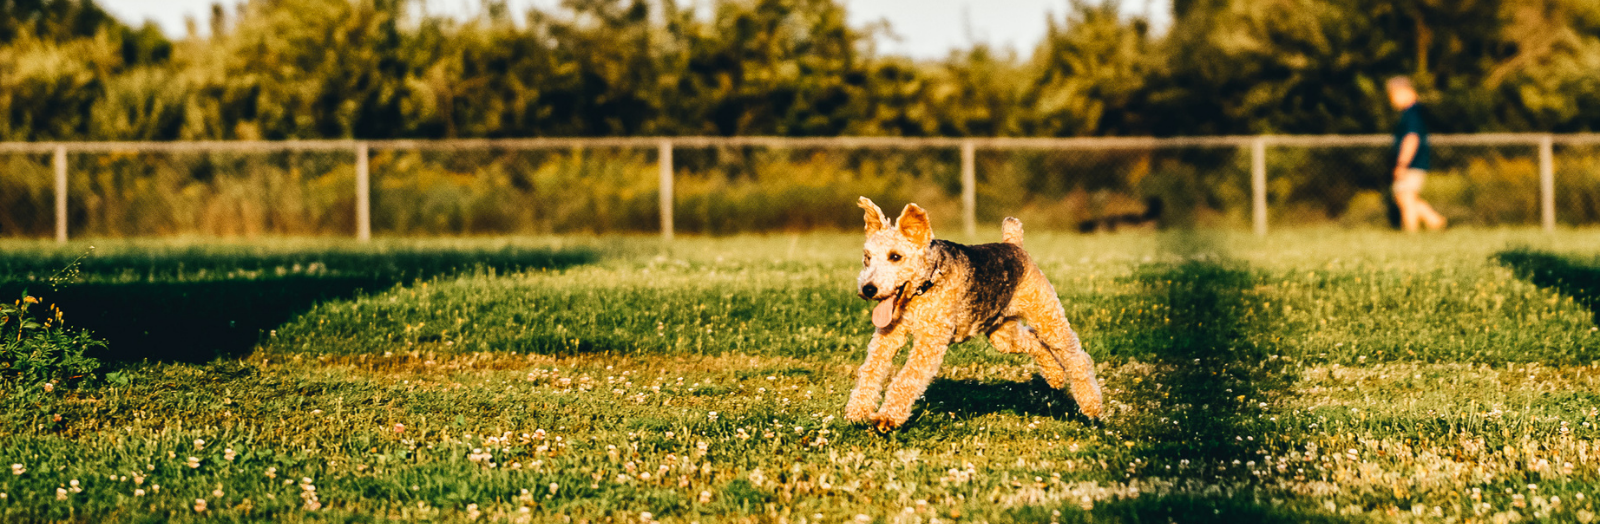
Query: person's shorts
{"x": 1410, "y": 181}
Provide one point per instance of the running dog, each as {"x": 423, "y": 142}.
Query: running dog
{"x": 940, "y": 293}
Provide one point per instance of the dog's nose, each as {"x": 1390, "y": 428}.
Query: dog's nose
{"x": 869, "y": 291}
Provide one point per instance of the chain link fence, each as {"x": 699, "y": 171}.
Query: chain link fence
{"x": 761, "y": 184}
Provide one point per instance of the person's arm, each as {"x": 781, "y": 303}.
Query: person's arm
{"x": 1408, "y": 151}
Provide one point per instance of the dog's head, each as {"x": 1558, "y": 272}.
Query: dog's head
{"x": 896, "y": 256}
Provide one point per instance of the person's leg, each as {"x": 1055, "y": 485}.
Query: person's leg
{"x": 1430, "y": 218}
{"x": 1415, "y": 179}
{"x": 1409, "y": 216}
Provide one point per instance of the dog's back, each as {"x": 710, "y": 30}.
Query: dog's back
{"x": 989, "y": 274}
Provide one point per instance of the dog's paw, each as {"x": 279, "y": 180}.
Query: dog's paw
{"x": 885, "y": 422}
{"x": 857, "y": 411}
{"x": 1090, "y": 409}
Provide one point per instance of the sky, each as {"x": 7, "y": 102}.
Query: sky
{"x": 922, "y": 28}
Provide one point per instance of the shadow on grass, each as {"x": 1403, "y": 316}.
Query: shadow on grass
{"x": 197, "y": 305}
{"x": 1175, "y": 508}
{"x": 1210, "y": 369}
{"x": 969, "y": 398}
{"x": 1574, "y": 278}
{"x": 1201, "y": 397}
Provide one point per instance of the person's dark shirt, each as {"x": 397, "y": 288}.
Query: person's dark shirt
{"x": 1411, "y": 122}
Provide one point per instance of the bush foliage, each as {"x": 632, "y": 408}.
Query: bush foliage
{"x": 278, "y": 69}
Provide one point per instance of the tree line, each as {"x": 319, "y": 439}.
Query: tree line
{"x": 282, "y": 69}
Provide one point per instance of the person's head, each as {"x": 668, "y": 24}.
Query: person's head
{"x": 1401, "y": 93}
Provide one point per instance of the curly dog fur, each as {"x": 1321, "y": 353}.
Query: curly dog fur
{"x": 940, "y": 293}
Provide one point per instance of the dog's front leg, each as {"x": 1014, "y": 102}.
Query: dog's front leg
{"x": 921, "y": 366}
{"x": 869, "y": 377}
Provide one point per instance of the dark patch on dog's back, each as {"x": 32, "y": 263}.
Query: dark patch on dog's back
{"x": 993, "y": 272}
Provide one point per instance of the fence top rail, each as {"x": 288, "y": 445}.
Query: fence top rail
{"x": 844, "y": 142}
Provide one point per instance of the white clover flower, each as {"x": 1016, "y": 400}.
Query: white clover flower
{"x": 17, "y": 469}
{"x": 272, "y": 472}
{"x": 74, "y": 486}
{"x": 61, "y": 494}
{"x": 138, "y": 492}
{"x": 554, "y": 487}
{"x": 228, "y": 454}
{"x": 49, "y": 386}
{"x": 217, "y": 492}
{"x": 193, "y": 462}
{"x": 308, "y": 493}
{"x": 199, "y": 505}
{"x": 472, "y": 512}
{"x": 705, "y": 497}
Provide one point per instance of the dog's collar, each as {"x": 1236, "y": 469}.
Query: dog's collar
{"x": 938, "y": 270}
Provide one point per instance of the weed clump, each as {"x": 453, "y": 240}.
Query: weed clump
{"x": 36, "y": 346}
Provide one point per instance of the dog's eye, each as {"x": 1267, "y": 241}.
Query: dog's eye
{"x": 894, "y": 257}
{"x": 866, "y": 260}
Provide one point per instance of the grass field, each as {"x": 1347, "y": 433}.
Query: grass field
{"x": 1315, "y": 375}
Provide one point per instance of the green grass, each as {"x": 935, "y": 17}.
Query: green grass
{"x": 1315, "y": 375}
{"x": 219, "y": 299}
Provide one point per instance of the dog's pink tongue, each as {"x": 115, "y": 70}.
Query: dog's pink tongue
{"x": 884, "y": 313}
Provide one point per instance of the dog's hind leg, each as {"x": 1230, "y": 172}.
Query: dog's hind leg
{"x": 869, "y": 377}
{"x": 927, "y": 354}
{"x": 1014, "y": 337}
{"x": 1058, "y": 352}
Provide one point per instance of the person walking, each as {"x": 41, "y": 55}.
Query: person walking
{"x": 1411, "y": 159}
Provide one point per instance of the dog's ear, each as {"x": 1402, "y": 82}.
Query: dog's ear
{"x": 914, "y": 225}
{"x": 875, "y": 219}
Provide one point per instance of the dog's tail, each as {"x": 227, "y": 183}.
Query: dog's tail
{"x": 1011, "y": 231}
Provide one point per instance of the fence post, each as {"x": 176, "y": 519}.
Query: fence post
{"x": 363, "y": 195}
{"x": 1258, "y": 184}
{"x": 969, "y": 187}
{"x": 664, "y": 162}
{"x": 60, "y": 162}
{"x": 1547, "y": 183}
